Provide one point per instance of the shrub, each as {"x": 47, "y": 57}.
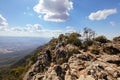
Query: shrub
{"x": 52, "y": 46}
{"x": 52, "y": 43}
{"x": 33, "y": 58}
{"x": 87, "y": 43}
{"x": 74, "y": 39}
{"x": 116, "y": 38}
{"x": 75, "y": 51}
{"x": 101, "y": 39}
{"x": 111, "y": 50}
{"x": 17, "y": 72}
{"x": 61, "y": 37}
{"x": 95, "y": 51}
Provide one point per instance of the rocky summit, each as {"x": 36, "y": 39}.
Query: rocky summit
{"x": 69, "y": 58}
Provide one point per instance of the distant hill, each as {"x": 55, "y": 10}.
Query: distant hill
{"x": 14, "y": 48}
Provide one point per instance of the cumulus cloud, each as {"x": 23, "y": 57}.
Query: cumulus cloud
{"x": 33, "y": 30}
{"x": 15, "y": 29}
{"x": 27, "y": 28}
{"x": 70, "y": 29}
{"x": 102, "y": 14}
{"x": 54, "y": 10}
{"x": 112, "y": 23}
{"x": 3, "y": 23}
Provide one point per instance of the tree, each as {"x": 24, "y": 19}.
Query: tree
{"x": 73, "y": 38}
{"x": 89, "y": 33}
{"x": 101, "y": 39}
{"x": 61, "y": 37}
{"x": 86, "y": 32}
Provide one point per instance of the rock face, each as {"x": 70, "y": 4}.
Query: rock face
{"x": 69, "y": 62}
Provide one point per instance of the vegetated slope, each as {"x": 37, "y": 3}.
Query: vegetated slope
{"x": 16, "y": 70}
{"x": 69, "y": 58}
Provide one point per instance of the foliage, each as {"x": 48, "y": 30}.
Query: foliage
{"x": 74, "y": 39}
{"x": 61, "y": 37}
{"x": 16, "y": 72}
{"x": 116, "y": 38}
{"x": 33, "y": 58}
{"x": 74, "y": 51}
{"x": 111, "y": 50}
{"x": 12, "y": 74}
{"x": 89, "y": 33}
{"x": 52, "y": 43}
{"x": 101, "y": 39}
{"x": 95, "y": 51}
{"x": 87, "y": 43}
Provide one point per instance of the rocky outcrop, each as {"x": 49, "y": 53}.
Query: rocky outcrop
{"x": 69, "y": 62}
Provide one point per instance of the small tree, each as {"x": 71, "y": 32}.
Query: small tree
{"x": 101, "y": 39}
{"x": 87, "y": 43}
{"x": 89, "y": 33}
{"x": 61, "y": 37}
{"x": 86, "y": 32}
{"x": 73, "y": 38}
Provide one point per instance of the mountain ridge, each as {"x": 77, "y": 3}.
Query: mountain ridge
{"x": 67, "y": 58}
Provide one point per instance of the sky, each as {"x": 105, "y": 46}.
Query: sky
{"x": 49, "y": 18}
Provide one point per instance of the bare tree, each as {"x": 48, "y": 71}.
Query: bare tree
{"x": 86, "y": 32}
{"x": 89, "y": 33}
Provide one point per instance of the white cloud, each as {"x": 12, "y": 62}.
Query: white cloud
{"x": 112, "y": 23}
{"x": 33, "y": 28}
{"x": 30, "y": 30}
{"x": 3, "y": 23}
{"x": 54, "y": 10}
{"x": 15, "y": 29}
{"x": 70, "y": 29}
{"x": 27, "y": 28}
{"x": 102, "y": 14}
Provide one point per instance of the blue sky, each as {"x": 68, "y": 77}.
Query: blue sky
{"x": 49, "y": 18}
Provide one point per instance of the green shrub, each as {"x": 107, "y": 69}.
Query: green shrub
{"x": 101, "y": 39}
{"x": 33, "y": 59}
{"x": 61, "y": 37}
{"x": 95, "y": 51}
{"x": 52, "y": 46}
{"x": 75, "y": 51}
{"x": 87, "y": 43}
{"x": 17, "y": 71}
{"x": 52, "y": 43}
{"x": 74, "y": 39}
{"x": 111, "y": 50}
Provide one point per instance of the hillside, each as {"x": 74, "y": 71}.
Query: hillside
{"x": 69, "y": 58}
